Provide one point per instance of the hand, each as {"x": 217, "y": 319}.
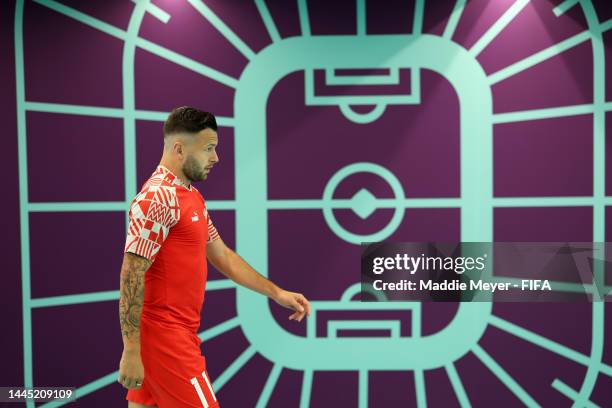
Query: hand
{"x": 131, "y": 370}
{"x": 295, "y": 301}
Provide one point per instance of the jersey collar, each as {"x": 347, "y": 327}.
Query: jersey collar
{"x": 173, "y": 178}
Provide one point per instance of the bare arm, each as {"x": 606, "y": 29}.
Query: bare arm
{"x": 237, "y": 269}
{"x": 131, "y": 299}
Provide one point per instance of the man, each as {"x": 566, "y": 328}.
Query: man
{"x": 164, "y": 272}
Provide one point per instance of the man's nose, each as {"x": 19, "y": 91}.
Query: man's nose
{"x": 215, "y": 157}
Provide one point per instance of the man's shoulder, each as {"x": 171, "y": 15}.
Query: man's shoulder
{"x": 157, "y": 181}
{"x": 197, "y": 193}
{"x": 157, "y": 202}
{"x": 160, "y": 189}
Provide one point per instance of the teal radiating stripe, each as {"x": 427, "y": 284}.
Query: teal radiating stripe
{"x": 605, "y": 26}
{"x": 74, "y": 109}
{"x": 453, "y": 20}
{"x": 83, "y": 18}
{"x": 544, "y": 201}
{"x": 185, "y": 62}
{"x": 504, "y": 377}
{"x": 306, "y": 389}
{"x": 563, "y": 7}
{"x": 75, "y": 299}
{"x": 534, "y": 114}
{"x": 78, "y": 206}
{"x": 264, "y": 12}
{"x": 455, "y": 380}
{"x": 304, "y": 20}
{"x": 498, "y": 27}
{"x": 349, "y": 203}
{"x": 156, "y": 12}
{"x": 142, "y": 43}
{"x": 363, "y": 389}
{"x": 264, "y": 397}
{"x": 541, "y": 341}
{"x": 86, "y": 389}
{"x": 361, "y": 17}
{"x": 151, "y": 115}
{"x": 225, "y": 31}
{"x": 219, "y": 329}
{"x": 570, "y": 393}
{"x": 108, "y": 112}
{"x": 221, "y": 205}
{"x": 234, "y": 368}
{"x": 222, "y": 121}
{"x": 421, "y": 394}
{"x": 218, "y": 284}
{"x": 538, "y": 57}
{"x": 419, "y": 10}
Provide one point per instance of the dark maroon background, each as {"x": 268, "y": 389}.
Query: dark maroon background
{"x": 67, "y": 62}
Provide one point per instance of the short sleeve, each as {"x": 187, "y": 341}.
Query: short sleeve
{"x": 152, "y": 213}
{"x": 213, "y": 234}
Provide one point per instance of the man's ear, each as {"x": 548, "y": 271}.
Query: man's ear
{"x": 179, "y": 146}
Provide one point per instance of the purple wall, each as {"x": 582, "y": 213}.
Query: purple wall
{"x": 11, "y": 342}
{"x": 67, "y": 62}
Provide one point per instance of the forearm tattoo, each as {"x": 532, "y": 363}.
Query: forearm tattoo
{"x": 132, "y": 294}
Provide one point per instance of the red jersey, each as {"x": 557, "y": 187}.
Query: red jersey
{"x": 169, "y": 225}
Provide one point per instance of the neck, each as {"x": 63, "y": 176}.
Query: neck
{"x": 175, "y": 168}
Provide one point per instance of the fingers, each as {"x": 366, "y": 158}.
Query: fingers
{"x": 134, "y": 384}
{"x": 125, "y": 382}
{"x": 297, "y": 316}
{"x": 305, "y": 303}
{"x": 295, "y": 304}
{"x": 130, "y": 383}
{"x": 301, "y": 306}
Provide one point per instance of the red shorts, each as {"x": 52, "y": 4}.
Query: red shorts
{"x": 175, "y": 369}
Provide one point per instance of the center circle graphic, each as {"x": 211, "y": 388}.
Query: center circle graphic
{"x": 328, "y": 202}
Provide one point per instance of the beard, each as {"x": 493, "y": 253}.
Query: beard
{"x": 193, "y": 171}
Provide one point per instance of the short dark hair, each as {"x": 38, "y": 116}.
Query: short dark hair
{"x": 189, "y": 120}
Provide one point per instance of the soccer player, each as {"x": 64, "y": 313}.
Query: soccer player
{"x": 164, "y": 270}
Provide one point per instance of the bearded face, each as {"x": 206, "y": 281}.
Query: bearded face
{"x": 193, "y": 170}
